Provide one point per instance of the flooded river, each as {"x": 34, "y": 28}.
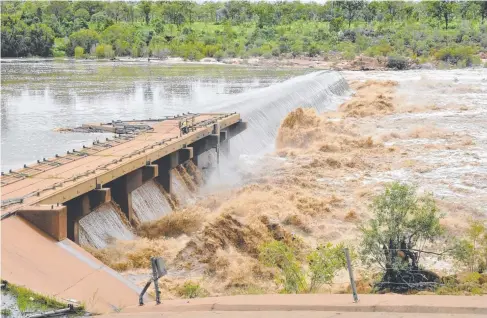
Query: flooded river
{"x": 38, "y": 97}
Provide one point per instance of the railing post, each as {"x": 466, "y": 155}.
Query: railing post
{"x": 158, "y": 270}
{"x": 350, "y": 272}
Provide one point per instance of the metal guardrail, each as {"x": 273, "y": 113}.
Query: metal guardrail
{"x": 8, "y": 202}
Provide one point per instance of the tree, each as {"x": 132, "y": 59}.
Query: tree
{"x": 41, "y": 39}
{"x": 83, "y": 38}
{"x": 471, "y": 251}
{"x": 352, "y": 8}
{"x": 145, "y": 6}
{"x": 395, "y": 236}
{"x": 483, "y": 10}
{"x": 442, "y": 10}
{"x": 15, "y": 37}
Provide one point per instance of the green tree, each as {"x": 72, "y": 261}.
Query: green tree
{"x": 146, "y": 7}
{"x": 41, "y": 39}
{"x": 471, "y": 251}
{"x": 401, "y": 225}
{"x": 83, "y": 38}
{"x": 15, "y": 37}
{"x": 483, "y": 9}
{"x": 352, "y": 9}
{"x": 442, "y": 10}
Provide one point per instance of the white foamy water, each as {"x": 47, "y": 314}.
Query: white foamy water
{"x": 180, "y": 189}
{"x": 103, "y": 225}
{"x": 458, "y": 174}
{"x": 265, "y": 108}
{"x": 149, "y": 203}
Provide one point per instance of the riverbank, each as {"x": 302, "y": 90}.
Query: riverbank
{"x": 359, "y": 63}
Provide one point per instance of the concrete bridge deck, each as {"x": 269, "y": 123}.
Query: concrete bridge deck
{"x": 59, "y": 179}
{"x": 43, "y": 203}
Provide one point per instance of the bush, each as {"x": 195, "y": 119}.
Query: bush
{"x": 397, "y": 62}
{"x": 219, "y": 55}
{"x": 57, "y": 53}
{"x": 104, "y": 51}
{"x": 471, "y": 251}
{"x": 191, "y": 290}
{"x": 322, "y": 265}
{"x": 455, "y": 54}
{"x": 79, "y": 52}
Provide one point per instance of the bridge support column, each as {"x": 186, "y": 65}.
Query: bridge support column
{"x": 122, "y": 187}
{"x": 52, "y": 219}
{"x": 165, "y": 164}
{"x": 82, "y": 206}
{"x": 224, "y": 143}
{"x": 203, "y": 145}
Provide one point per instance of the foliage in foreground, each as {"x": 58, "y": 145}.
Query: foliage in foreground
{"x": 27, "y": 300}
{"x": 394, "y": 238}
{"x": 471, "y": 250}
{"x": 453, "y": 32}
{"x": 191, "y": 289}
{"x": 319, "y": 267}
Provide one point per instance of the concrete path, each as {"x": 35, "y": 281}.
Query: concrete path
{"x": 288, "y": 314}
{"x": 470, "y": 305}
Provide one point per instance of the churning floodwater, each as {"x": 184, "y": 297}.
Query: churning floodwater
{"x": 459, "y": 102}
{"x": 38, "y": 97}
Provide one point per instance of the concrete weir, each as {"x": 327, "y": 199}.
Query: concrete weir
{"x": 43, "y": 203}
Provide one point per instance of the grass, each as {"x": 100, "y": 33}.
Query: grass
{"x": 28, "y": 300}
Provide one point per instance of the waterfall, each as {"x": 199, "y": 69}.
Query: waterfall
{"x": 265, "y": 108}
{"x": 102, "y": 225}
{"x": 180, "y": 189}
{"x": 149, "y": 202}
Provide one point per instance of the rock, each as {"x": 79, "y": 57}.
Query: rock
{"x": 208, "y": 60}
{"x": 427, "y": 66}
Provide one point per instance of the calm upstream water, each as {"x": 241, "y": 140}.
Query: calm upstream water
{"x": 38, "y": 97}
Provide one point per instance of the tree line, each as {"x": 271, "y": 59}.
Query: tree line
{"x": 418, "y": 30}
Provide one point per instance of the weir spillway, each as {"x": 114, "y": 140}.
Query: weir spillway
{"x": 89, "y": 194}
{"x": 84, "y": 196}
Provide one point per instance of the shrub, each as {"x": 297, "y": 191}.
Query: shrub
{"x": 104, "y": 51}
{"x": 57, "y": 53}
{"x": 219, "y": 55}
{"x": 191, "y": 290}
{"x": 79, "y": 52}
{"x": 313, "y": 50}
{"x": 455, "y": 54}
{"x": 322, "y": 265}
{"x": 397, "y": 62}
{"x": 471, "y": 251}
{"x": 280, "y": 255}
{"x": 336, "y": 24}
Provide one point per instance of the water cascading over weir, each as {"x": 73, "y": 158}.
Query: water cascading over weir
{"x": 94, "y": 195}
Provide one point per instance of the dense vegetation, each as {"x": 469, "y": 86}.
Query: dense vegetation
{"x": 450, "y": 31}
